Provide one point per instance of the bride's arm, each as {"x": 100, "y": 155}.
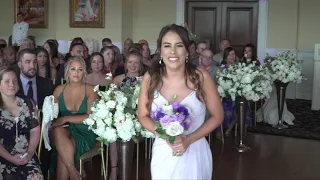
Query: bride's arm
{"x": 143, "y": 110}
{"x": 214, "y": 106}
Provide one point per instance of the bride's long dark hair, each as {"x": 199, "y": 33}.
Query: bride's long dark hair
{"x": 157, "y": 71}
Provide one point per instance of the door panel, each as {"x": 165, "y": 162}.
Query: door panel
{"x": 204, "y": 19}
{"x": 239, "y": 24}
{"x": 214, "y": 21}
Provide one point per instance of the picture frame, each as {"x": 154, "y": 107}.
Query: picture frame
{"x": 35, "y": 12}
{"x": 86, "y": 13}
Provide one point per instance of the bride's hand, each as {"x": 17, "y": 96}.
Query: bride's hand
{"x": 181, "y": 144}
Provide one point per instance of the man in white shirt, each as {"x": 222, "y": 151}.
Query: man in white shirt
{"x": 20, "y": 30}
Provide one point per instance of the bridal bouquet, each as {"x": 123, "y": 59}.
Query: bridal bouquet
{"x": 246, "y": 80}
{"x": 284, "y": 67}
{"x": 114, "y": 115}
{"x": 172, "y": 119}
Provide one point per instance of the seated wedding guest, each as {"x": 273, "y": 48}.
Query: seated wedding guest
{"x": 110, "y": 64}
{"x": 97, "y": 75}
{"x": 126, "y": 46}
{"x": 86, "y": 57}
{"x": 119, "y": 59}
{"x": 30, "y": 84}
{"x": 76, "y": 49}
{"x": 76, "y": 40}
{"x": 202, "y": 45}
{"x": 219, "y": 56}
{"x": 207, "y": 63}
{"x": 106, "y": 42}
{"x": 19, "y": 132}
{"x": 229, "y": 107}
{"x": 133, "y": 67}
{"x": 26, "y": 44}
{"x": 3, "y": 43}
{"x": 60, "y": 56}
{"x": 52, "y": 50}
{"x": 192, "y": 49}
{"x": 34, "y": 87}
{"x": 146, "y": 56}
{"x": 43, "y": 63}
{"x": 70, "y": 137}
{"x": 9, "y": 56}
{"x": 250, "y": 55}
{"x": 2, "y": 62}
{"x": 143, "y": 41}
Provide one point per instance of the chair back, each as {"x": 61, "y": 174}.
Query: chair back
{"x": 41, "y": 133}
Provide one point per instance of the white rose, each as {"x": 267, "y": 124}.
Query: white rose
{"x": 111, "y": 104}
{"x": 89, "y": 122}
{"x": 174, "y": 129}
{"x": 167, "y": 109}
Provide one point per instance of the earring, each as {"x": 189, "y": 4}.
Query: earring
{"x": 160, "y": 60}
{"x": 187, "y": 59}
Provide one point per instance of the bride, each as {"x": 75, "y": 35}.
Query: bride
{"x": 270, "y": 111}
{"x": 173, "y": 74}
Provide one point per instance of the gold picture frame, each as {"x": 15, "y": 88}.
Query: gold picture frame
{"x": 35, "y": 12}
{"x": 86, "y": 13}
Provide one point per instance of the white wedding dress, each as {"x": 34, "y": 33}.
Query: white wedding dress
{"x": 270, "y": 111}
{"x": 196, "y": 162}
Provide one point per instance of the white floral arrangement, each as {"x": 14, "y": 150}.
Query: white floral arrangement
{"x": 247, "y": 80}
{"x": 114, "y": 115}
{"x": 284, "y": 67}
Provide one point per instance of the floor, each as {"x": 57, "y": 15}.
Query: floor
{"x": 270, "y": 158}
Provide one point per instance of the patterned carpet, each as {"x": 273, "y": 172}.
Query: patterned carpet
{"x": 306, "y": 125}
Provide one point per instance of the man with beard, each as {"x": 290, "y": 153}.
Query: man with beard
{"x": 35, "y": 87}
{"x": 30, "y": 84}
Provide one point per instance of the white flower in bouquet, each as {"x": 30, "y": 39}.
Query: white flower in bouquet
{"x": 284, "y": 67}
{"x": 246, "y": 80}
{"x": 174, "y": 128}
{"x": 167, "y": 109}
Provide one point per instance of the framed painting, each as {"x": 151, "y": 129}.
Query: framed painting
{"x": 35, "y": 12}
{"x": 87, "y": 13}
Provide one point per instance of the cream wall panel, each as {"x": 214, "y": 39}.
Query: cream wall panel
{"x": 149, "y": 16}
{"x": 309, "y": 26}
{"x": 282, "y": 24}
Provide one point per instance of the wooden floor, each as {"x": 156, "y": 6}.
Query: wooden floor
{"x": 270, "y": 158}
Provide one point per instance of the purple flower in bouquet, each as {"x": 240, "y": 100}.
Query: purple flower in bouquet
{"x": 180, "y": 109}
{"x": 158, "y": 114}
{"x": 186, "y": 124}
{"x": 166, "y": 120}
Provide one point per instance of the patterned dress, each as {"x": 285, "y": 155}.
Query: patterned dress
{"x": 14, "y": 137}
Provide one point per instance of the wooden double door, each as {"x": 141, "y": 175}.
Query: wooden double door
{"x": 215, "y": 20}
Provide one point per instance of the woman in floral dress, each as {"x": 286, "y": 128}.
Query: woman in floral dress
{"x": 19, "y": 132}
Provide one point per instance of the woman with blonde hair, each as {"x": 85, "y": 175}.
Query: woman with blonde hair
{"x": 71, "y": 138}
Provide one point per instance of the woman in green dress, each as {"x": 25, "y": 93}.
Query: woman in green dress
{"x": 70, "y": 137}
